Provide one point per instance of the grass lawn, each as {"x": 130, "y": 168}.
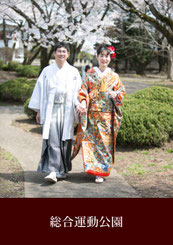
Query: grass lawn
{"x": 11, "y": 176}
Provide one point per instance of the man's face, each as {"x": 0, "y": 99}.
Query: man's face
{"x": 61, "y": 54}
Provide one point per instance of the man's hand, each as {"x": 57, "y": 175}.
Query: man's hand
{"x": 113, "y": 94}
{"x": 38, "y": 117}
{"x": 81, "y": 109}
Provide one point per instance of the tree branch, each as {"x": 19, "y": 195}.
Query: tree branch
{"x": 39, "y": 8}
{"x": 158, "y": 15}
{"x": 51, "y": 9}
{"x": 46, "y": 7}
{"x": 18, "y": 11}
{"x": 33, "y": 11}
{"x": 154, "y": 22}
{"x": 106, "y": 10}
{"x": 26, "y": 17}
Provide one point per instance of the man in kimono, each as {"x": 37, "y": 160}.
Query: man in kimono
{"x": 55, "y": 100}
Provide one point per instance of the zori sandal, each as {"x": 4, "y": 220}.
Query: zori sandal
{"x": 99, "y": 179}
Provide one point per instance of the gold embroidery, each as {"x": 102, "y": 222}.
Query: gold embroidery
{"x": 103, "y": 86}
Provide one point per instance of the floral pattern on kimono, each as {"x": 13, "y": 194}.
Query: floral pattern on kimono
{"x": 98, "y": 128}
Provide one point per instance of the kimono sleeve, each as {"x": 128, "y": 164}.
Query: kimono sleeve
{"x": 83, "y": 92}
{"x": 35, "y": 101}
{"x": 77, "y": 88}
{"x": 84, "y": 100}
{"x": 120, "y": 91}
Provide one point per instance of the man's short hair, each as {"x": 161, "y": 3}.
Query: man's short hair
{"x": 61, "y": 45}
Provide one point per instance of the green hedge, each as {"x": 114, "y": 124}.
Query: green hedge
{"x": 28, "y": 111}
{"x": 5, "y": 67}
{"x": 11, "y": 66}
{"x": 147, "y": 118}
{"x": 155, "y": 93}
{"x": 2, "y": 63}
{"x": 18, "y": 90}
{"x": 28, "y": 71}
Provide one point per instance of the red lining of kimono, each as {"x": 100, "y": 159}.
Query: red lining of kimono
{"x": 92, "y": 172}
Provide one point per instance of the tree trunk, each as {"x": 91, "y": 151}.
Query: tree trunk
{"x": 30, "y": 56}
{"x": 13, "y": 50}
{"x": 5, "y": 40}
{"x": 162, "y": 64}
{"x": 162, "y": 59}
{"x": 44, "y": 59}
{"x": 140, "y": 69}
{"x": 74, "y": 51}
{"x": 170, "y": 63}
{"x": 50, "y": 53}
{"x": 4, "y": 36}
{"x": 141, "y": 64}
{"x": 126, "y": 66}
{"x": 73, "y": 54}
{"x": 25, "y": 55}
{"x": 33, "y": 57}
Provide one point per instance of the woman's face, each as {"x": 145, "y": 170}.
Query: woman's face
{"x": 103, "y": 59}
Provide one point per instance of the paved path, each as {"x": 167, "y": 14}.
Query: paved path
{"x": 132, "y": 87}
{"x": 26, "y": 147}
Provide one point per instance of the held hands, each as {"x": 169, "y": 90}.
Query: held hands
{"x": 113, "y": 94}
{"x": 81, "y": 109}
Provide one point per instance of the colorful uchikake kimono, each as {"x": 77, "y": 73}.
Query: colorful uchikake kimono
{"x": 98, "y": 128}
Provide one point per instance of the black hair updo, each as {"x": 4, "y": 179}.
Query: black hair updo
{"x": 101, "y": 48}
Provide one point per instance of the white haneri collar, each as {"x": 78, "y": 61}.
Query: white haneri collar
{"x": 100, "y": 73}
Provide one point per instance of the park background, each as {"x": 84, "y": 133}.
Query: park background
{"x": 142, "y": 34}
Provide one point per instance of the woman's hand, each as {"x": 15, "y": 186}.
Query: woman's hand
{"x": 113, "y": 94}
{"x": 38, "y": 117}
{"x": 81, "y": 109}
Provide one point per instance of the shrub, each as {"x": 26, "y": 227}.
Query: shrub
{"x": 28, "y": 71}
{"x": 5, "y": 67}
{"x": 147, "y": 118}
{"x": 155, "y": 93}
{"x": 18, "y": 90}
{"x": 1, "y": 64}
{"x": 12, "y": 65}
{"x": 28, "y": 111}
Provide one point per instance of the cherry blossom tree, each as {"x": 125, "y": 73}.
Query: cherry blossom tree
{"x": 5, "y": 37}
{"x": 159, "y": 13}
{"x": 8, "y": 17}
{"x": 45, "y": 22}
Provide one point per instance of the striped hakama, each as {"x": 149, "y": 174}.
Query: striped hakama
{"x": 56, "y": 154}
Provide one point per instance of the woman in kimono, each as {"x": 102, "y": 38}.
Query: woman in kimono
{"x": 100, "y": 99}
{"x": 55, "y": 100}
